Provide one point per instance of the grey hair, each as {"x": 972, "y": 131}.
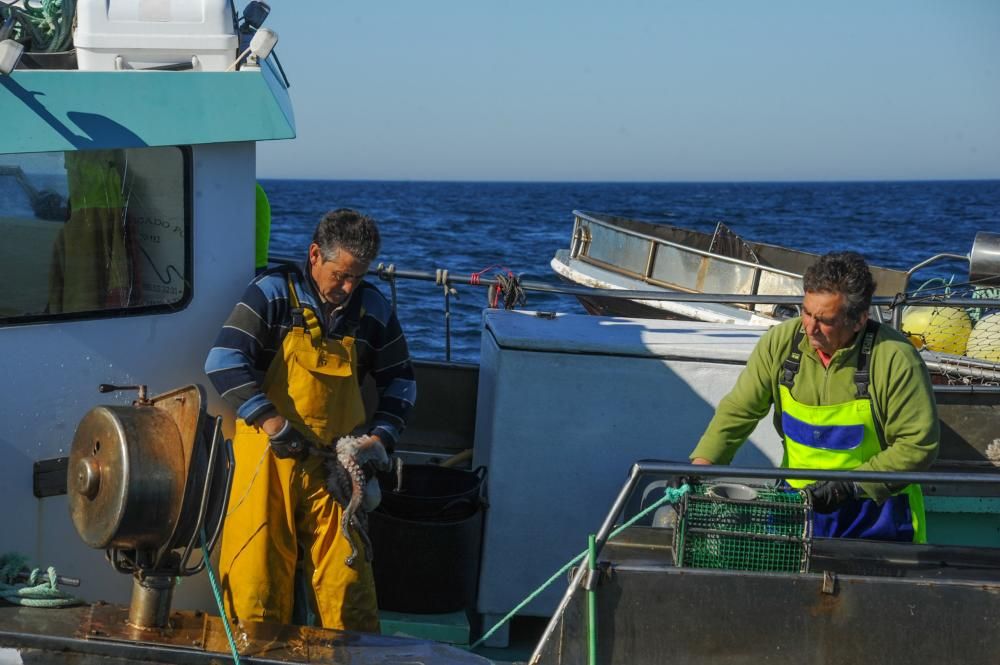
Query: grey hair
{"x": 350, "y": 231}
{"x": 845, "y": 273}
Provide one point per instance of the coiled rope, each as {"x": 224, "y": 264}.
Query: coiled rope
{"x": 39, "y": 591}
{"x": 43, "y": 26}
{"x": 506, "y": 288}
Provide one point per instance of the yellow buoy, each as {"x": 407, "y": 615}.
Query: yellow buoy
{"x": 941, "y": 329}
{"x": 915, "y": 322}
{"x": 984, "y": 340}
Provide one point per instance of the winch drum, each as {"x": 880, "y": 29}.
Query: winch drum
{"x": 126, "y": 477}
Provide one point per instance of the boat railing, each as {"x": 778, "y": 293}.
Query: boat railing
{"x": 941, "y": 354}
{"x": 645, "y": 468}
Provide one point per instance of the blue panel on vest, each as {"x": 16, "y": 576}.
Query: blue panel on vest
{"x": 828, "y": 437}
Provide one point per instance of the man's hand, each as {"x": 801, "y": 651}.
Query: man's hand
{"x": 829, "y": 495}
{"x": 288, "y": 443}
{"x": 371, "y": 456}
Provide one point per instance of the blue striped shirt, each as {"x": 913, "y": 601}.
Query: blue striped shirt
{"x": 252, "y": 337}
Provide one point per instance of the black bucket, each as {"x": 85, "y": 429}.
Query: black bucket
{"x": 425, "y": 567}
{"x": 426, "y": 540}
{"x": 432, "y": 493}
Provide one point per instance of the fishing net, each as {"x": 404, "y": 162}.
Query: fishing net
{"x": 743, "y": 527}
{"x": 961, "y": 345}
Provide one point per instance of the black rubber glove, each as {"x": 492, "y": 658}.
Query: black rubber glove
{"x": 829, "y": 495}
{"x": 288, "y": 443}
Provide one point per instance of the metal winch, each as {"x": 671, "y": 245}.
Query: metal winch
{"x": 149, "y": 483}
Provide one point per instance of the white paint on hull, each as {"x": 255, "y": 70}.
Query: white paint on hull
{"x": 589, "y": 275}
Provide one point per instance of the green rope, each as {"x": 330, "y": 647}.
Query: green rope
{"x": 45, "y": 26}
{"x": 40, "y": 589}
{"x": 671, "y": 495}
{"x": 218, "y": 597}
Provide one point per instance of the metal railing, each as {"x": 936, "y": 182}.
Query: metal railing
{"x": 448, "y": 280}
{"x": 660, "y": 468}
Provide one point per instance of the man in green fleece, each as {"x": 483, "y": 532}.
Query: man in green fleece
{"x": 849, "y": 393}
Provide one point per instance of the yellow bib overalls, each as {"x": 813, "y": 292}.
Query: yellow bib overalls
{"x": 277, "y": 505}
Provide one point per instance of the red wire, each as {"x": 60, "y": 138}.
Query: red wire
{"x": 475, "y": 279}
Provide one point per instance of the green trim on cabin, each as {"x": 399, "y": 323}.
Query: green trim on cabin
{"x": 963, "y": 504}
{"x": 50, "y": 110}
{"x": 963, "y": 520}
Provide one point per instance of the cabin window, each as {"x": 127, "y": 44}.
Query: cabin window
{"x": 93, "y": 233}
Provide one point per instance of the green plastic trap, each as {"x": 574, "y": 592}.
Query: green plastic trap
{"x": 743, "y": 527}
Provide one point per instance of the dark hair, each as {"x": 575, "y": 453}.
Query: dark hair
{"x": 845, "y": 273}
{"x": 349, "y": 230}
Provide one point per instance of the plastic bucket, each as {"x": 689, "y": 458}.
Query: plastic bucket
{"x": 426, "y": 538}
{"x": 432, "y": 493}
{"x": 425, "y": 567}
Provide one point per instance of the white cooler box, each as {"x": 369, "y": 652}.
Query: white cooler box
{"x": 566, "y": 405}
{"x": 151, "y": 33}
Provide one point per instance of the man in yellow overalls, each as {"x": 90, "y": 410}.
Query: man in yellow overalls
{"x": 848, "y": 393}
{"x": 290, "y": 358}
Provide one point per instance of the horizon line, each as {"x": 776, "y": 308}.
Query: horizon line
{"x": 642, "y": 182}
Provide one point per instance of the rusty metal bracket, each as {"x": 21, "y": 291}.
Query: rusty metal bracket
{"x": 187, "y": 630}
{"x": 829, "y": 583}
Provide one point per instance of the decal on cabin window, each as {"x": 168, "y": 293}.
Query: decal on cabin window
{"x": 88, "y": 233}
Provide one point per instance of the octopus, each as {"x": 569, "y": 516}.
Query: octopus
{"x": 346, "y": 482}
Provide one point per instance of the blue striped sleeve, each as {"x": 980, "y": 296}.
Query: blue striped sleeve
{"x": 246, "y": 345}
{"x": 388, "y": 360}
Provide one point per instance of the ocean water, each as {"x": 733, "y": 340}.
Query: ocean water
{"x": 466, "y": 227}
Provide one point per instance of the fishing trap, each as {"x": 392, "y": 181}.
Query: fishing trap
{"x": 733, "y": 526}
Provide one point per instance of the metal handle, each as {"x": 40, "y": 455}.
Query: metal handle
{"x": 110, "y": 388}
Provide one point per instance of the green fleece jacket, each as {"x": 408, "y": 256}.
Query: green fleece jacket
{"x": 900, "y": 387}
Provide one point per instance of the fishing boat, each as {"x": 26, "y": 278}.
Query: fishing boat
{"x": 616, "y": 253}
{"x": 638, "y": 264}
{"x": 127, "y": 185}
{"x": 128, "y": 194}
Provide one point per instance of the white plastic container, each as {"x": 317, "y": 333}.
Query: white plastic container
{"x": 140, "y": 34}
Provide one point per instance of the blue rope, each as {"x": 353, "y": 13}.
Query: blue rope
{"x": 671, "y": 495}
{"x": 218, "y": 597}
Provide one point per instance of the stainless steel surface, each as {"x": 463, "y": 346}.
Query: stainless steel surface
{"x": 149, "y": 483}
{"x": 607, "y": 223}
{"x": 100, "y": 635}
{"x": 649, "y": 613}
{"x": 151, "y": 597}
{"x": 126, "y": 477}
{"x": 719, "y": 471}
{"x": 648, "y": 608}
{"x": 984, "y": 259}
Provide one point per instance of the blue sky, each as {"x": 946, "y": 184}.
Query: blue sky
{"x": 652, "y": 91}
